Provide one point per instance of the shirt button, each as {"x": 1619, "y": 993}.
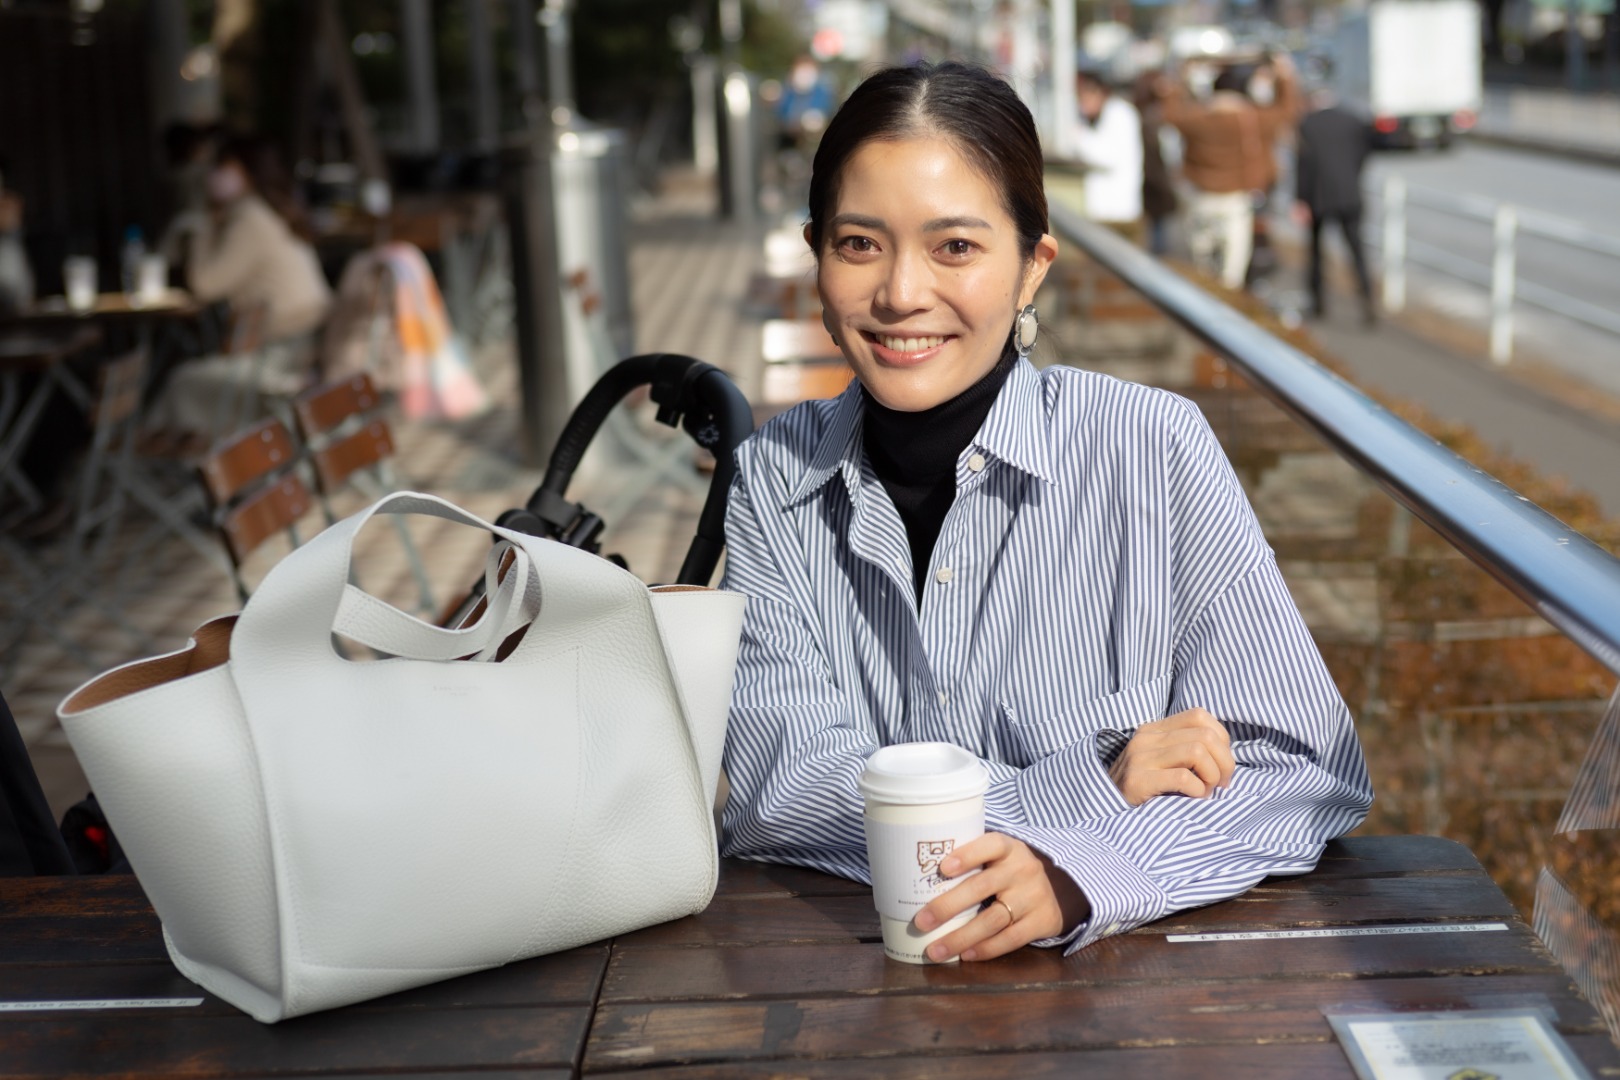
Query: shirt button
{"x": 943, "y": 697}
{"x": 1113, "y": 926}
{"x": 942, "y": 575}
{"x": 976, "y": 463}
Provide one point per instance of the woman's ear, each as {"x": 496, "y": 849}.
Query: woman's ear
{"x": 808, "y": 242}
{"x": 1040, "y": 261}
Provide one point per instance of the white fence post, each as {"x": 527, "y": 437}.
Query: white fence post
{"x": 1502, "y": 267}
{"x": 1394, "y": 245}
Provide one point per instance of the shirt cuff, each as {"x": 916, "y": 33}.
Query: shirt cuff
{"x": 1122, "y": 897}
{"x": 1073, "y": 784}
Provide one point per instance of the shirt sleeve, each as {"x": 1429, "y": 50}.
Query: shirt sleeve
{"x": 794, "y": 753}
{"x": 1243, "y": 653}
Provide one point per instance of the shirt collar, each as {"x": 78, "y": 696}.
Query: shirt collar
{"x": 1015, "y": 431}
{"x": 838, "y": 450}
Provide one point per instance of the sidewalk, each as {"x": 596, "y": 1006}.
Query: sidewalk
{"x": 1585, "y": 126}
{"x": 689, "y": 272}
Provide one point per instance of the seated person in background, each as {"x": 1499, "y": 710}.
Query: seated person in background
{"x": 247, "y": 253}
{"x": 243, "y": 251}
{"x": 1053, "y": 569}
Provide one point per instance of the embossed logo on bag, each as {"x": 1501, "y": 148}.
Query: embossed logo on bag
{"x": 929, "y": 855}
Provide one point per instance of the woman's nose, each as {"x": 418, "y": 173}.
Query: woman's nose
{"x": 907, "y": 285}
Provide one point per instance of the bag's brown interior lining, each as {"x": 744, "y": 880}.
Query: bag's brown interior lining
{"x": 211, "y": 649}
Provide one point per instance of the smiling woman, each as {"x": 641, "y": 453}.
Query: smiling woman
{"x": 1054, "y": 570}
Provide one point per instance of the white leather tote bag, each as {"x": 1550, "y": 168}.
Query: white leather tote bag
{"x": 315, "y": 831}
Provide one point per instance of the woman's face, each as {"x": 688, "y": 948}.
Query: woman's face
{"x": 920, "y": 275}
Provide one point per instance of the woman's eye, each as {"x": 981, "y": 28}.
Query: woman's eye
{"x": 957, "y": 249}
{"x": 857, "y": 245}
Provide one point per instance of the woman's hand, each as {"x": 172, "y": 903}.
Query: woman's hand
{"x": 1036, "y": 900}
{"x": 1189, "y": 754}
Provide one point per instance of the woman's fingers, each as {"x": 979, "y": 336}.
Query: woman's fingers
{"x": 1012, "y": 893}
{"x": 1189, "y": 753}
{"x": 986, "y": 854}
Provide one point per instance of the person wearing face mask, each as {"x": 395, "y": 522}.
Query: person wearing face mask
{"x": 246, "y": 253}
{"x": 1053, "y": 569}
{"x": 1228, "y": 159}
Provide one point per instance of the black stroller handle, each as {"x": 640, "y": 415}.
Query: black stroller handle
{"x": 699, "y": 397}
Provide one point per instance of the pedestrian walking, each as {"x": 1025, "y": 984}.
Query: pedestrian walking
{"x": 1159, "y": 202}
{"x": 1333, "y": 148}
{"x": 1228, "y": 159}
{"x": 1107, "y": 139}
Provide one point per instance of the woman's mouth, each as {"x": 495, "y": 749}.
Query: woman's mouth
{"x": 899, "y": 349}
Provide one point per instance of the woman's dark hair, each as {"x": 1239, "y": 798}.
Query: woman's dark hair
{"x": 968, "y": 105}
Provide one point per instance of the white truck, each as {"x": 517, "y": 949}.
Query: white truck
{"x": 1412, "y": 68}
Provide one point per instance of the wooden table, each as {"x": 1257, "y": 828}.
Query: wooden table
{"x": 782, "y": 976}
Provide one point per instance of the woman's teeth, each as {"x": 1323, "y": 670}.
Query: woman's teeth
{"x": 909, "y": 344}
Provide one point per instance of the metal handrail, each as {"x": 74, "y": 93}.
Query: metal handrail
{"x": 1563, "y": 576}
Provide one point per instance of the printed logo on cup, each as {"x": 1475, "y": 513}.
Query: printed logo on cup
{"x": 930, "y": 853}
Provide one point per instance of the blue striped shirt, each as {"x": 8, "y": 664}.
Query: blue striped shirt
{"x": 1099, "y": 568}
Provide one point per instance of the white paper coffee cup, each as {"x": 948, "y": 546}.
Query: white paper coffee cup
{"x": 923, "y": 801}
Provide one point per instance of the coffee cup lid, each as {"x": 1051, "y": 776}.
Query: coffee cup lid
{"x": 920, "y": 773}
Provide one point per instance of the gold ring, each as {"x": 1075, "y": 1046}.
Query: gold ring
{"x": 1011, "y": 918}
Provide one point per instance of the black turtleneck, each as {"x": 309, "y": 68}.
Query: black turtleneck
{"x": 914, "y": 455}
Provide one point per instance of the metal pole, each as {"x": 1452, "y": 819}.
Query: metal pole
{"x": 1502, "y": 266}
{"x": 166, "y": 52}
{"x": 1394, "y": 245}
{"x": 416, "y": 32}
{"x": 1574, "y": 46}
{"x": 1611, "y": 49}
{"x": 530, "y": 196}
{"x": 738, "y": 199}
{"x": 559, "y": 61}
{"x": 1025, "y": 44}
{"x": 541, "y": 332}
{"x": 1063, "y": 101}
{"x": 739, "y": 196}
{"x": 527, "y": 71}
{"x": 705, "y": 117}
{"x": 486, "y": 103}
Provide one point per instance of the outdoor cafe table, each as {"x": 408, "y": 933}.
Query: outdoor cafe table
{"x": 782, "y": 975}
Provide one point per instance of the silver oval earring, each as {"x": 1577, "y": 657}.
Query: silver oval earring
{"x": 1026, "y": 328}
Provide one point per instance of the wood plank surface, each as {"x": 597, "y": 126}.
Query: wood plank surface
{"x": 164, "y": 1044}
{"x": 739, "y": 878}
{"x": 781, "y": 971}
{"x": 1456, "y": 896}
{"x": 104, "y": 894}
{"x": 754, "y": 920}
{"x": 1258, "y": 1012}
{"x": 1378, "y": 856}
{"x": 570, "y": 978}
{"x": 1321, "y": 1060}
